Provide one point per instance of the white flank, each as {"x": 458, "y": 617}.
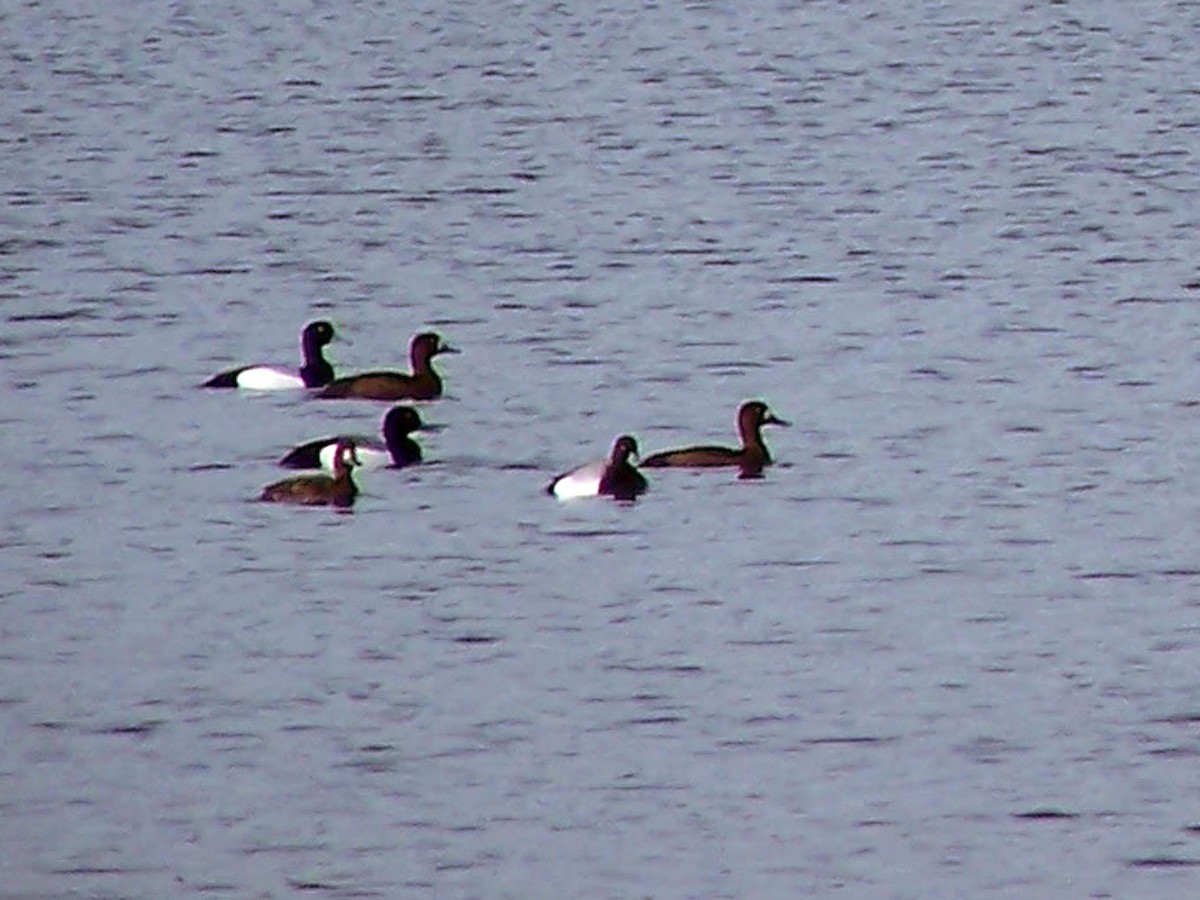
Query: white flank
{"x": 265, "y": 378}
{"x": 581, "y": 482}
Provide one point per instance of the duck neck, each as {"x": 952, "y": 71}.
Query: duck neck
{"x": 403, "y": 449}
{"x": 341, "y": 466}
{"x": 421, "y": 361}
{"x": 752, "y": 441}
{"x": 423, "y": 371}
{"x": 316, "y": 371}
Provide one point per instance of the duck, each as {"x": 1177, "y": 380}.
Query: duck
{"x": 614, "y": 477}
{"x": 423, "y": 384}
{"x": 315, "y": 372}
{"x": 750, "y": 458}
{"x": 319, "y": 489}
{"x": 397, "y": 449}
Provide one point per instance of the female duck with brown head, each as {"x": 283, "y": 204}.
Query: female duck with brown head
{"x": 315, "y": 372}
{"x": 614, "y": 477}
{"x": 751, "y": 457}
{"x": 423, "y": 384}
{"x": 337, "y": 489}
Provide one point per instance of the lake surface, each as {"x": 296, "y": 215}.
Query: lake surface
{"x": 949, "y": 646}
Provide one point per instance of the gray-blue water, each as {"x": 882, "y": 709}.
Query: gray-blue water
{"x": 948, "y": 647}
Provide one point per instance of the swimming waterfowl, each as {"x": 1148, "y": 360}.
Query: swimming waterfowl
{"x": 315, "y": 372}
{"x": 423, "y": 384}
{"x": 751, "y": 457}
{"x": 614, "y": 477}
{"x": 337, "y": 489}
{"x": 397, "y": 449}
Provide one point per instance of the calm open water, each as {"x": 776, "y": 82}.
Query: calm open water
{"x": 948, "y": 647}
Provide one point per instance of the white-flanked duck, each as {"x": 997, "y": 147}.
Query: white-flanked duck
{"x": 397, "y": 449}
{"x": 315, "y": 372}
{"x": 614, "y": 477}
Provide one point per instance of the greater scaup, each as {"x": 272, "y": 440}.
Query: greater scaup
{"x": 397, "y": 448}
{"x": 315, "y": 372}
{"x": 337, "y": 489}
{"x": 615, "y": 477}
{"x": 423, "y": 384}
{"x": 751, "y": 457}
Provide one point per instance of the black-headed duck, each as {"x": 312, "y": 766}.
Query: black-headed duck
{"x": 396, "y": 450}
{"x": 315, "y": 372}
{"x": 614, "y": 477}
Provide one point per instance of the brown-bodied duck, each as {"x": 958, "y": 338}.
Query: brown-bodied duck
{"x": 423, "y": 383}
{"x": 315, "y": 372}
{"x": 751, "y": 457}
{"x": 613, "y": 477}
{"x": 396, "y": 450}
{"x": 319, "y": 489}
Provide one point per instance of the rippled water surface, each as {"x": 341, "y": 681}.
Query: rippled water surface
{"x": 948, "y": 647}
